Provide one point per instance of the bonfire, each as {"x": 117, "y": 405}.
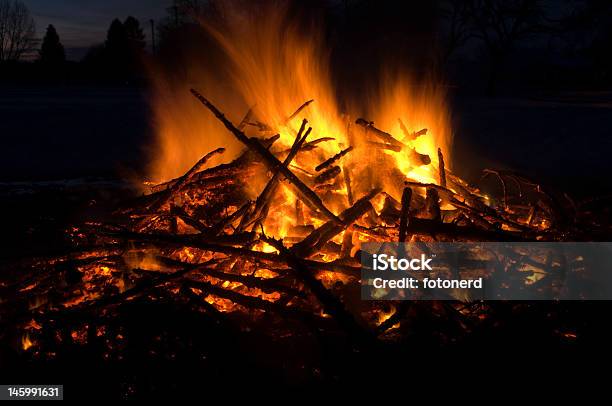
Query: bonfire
{"x": 272, "y": 236}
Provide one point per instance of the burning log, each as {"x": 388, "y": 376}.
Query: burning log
{"x": 333, "y": 159}
{"x": 267, "y": 285}
{"x": 479, "y": 206}
{"x": 347, "y": 238}
{"x": 187, "y": 219}
{"x": 389, "y": 213}
{"x": 405, "y": 214}
{"x": 347, "y": 182}
{"x": 420, "y": 159}
{"x": 184, "y": 180}
{"x": 246, "y": 119}
{"x": 432, "y": 205}
{"x": 263, "y": 200}
{"x": 299, "y": 110}
{"x": 240, "y": 213}
{"x": 301, "y": 230}
{"x": 328, "y": 175}
{"x": 330, "y": 229}
{"x": 407, "y": 134}
{"x": 313, "y": 144}
{"x": 383, "y": 146}
{"x": 331, "y": 304}
{"x": 269, "y": 159}
{"x": 410, "y": 136}
{"x": 347, "y": 243}
{"x": 249, "y": 302}
{"x": 392, "y": 144}
{"x": 385, "y": 137}
{"x": 441, "y": 170}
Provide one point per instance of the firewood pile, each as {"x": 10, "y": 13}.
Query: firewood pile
{"x": 200, "y": 243}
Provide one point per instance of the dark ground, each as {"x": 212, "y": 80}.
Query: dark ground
{"x": 564, "y": 140}
{"x": 71, "y": 132}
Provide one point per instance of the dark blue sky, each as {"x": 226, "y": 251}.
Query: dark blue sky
{"x": 82, "y": 23}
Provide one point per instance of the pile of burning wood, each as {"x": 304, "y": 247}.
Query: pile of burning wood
{"x": 200, "y": 241}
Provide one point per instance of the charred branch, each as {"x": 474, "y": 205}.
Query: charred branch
{"x": 330, "y": 229}
{"x": 299, "y": 110}
{"x": 328, "y": 175}
{"x": 333, "y": 159}
{"x": 405, "y": 214}
{"x": 441, "y": 170}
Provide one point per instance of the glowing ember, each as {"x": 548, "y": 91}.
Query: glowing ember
{"x": 26, "y": 342}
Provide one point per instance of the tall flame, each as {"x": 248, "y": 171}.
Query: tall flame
{"x": 273, "y": 66}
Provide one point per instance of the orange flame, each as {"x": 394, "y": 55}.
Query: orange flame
{"x": 273, "y": 68}
{"x": 26, "y": 342}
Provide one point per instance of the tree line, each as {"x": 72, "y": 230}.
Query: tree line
{"x": 22, "y": 54}
{"x": 492, "y": 42}
{"x": 493, "y": 46}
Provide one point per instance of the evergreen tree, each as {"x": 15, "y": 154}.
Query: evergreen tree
{"x": 52, "y": 50}
{"x": 123, "y": 49}
{"x": 116, "y": 44}
{"x": 135, "y": 35}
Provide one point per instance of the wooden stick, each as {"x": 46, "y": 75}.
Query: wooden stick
{"x": 313, "y": 144}
{"x": 331, "y": 304}
{"x": 247, "y": 117}
{"x": 252, "y": 302}
{"x": 302, "y": 107}
{"x": 333, "y": 159}
{"x": 187, "y": 219}
{"x": 270, "y": 160}
{"x": 263, "y": 200}
{"x": 393, "y": 144}
{"x": 328, "y": 175}
{"x": 216, "y": 245}
{"x": 441, "y": 170}
{"x": 329, "y": 230}
{"x": 407, "y": 134}
{"x": 410, "y": 136}
{"x": 299, "y": 213}
{"x": 221, "y": 224}
{"x": 347, "y": 238}
{"x": 382, "y": 145}
{"x": 384, "y": 136}
{"x": 183, "y": 180}
{"x": 405, "y": 213}
{"x": 267, "y": 285}
{"x": 347, "y": 182}
{"x": 432, "y": 204}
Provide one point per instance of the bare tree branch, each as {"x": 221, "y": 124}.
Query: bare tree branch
{"x": 17, "y": 30}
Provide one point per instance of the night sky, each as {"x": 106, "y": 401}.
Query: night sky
{"x": 82, "y": 23}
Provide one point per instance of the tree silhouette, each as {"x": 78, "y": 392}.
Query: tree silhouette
{"x": 135, "y": 35}
{"x": 116, "y": 45}
{"x": 52, "y": 50}
{"x": 456, "y": 31}
{"x": 17, "y": 30}
{"x": 500, "y": 24}
{"x": 587, "y": 31}
{"x": 135, "y": 43}
{"x": 123, "y": 50}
